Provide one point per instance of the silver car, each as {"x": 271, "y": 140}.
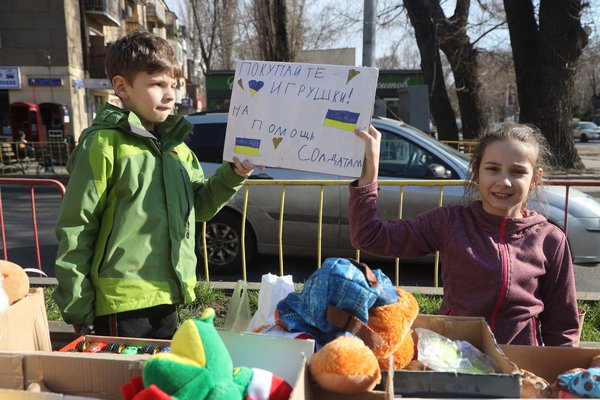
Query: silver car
{"x": 586, "y": 130}
{"x": 406, "y": 153}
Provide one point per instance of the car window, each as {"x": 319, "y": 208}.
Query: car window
{"x": 401, "y": 158}
{"x": 207, "y": 140}
{"x": 588, "y": 125}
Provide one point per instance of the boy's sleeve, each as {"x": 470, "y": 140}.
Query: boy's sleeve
{"x": 213, "y": 193}
{"x": 77, "y": 229}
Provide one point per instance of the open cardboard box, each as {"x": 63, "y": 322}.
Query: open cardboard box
{"x": 548, "y": 362}
{"x": 504, "y": 383}
{"x": 24, "y": 326}
{"x": 99, "y": 375}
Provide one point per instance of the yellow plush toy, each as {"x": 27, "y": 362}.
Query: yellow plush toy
{"x": 15, "y": 282}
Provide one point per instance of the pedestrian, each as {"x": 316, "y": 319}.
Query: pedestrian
{"x": 126, "y": 226}
{"x": 499, "y": 259}
{"x": 24, "y": 149}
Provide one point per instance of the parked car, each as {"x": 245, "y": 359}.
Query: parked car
{"x": 585, "y": 130}
{"x": 406, "y": 153}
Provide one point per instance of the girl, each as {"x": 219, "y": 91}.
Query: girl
{"x": 499, "y": 259}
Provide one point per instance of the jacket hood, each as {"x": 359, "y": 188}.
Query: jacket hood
{"x": 172, "y": 131}
{"x": 514, "y": 226}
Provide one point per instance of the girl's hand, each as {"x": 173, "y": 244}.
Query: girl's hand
{"x": 370, "y": 168}
{"x": 244, "y": 169}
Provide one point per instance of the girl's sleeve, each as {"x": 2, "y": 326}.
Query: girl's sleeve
{"x": 559, "y": 320}
{"x": 77, "y": 228}
{"x": 210, "y": 195}
{"x": 399, "y": 238}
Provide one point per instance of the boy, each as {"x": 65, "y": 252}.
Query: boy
{"x": 126, "y": 225}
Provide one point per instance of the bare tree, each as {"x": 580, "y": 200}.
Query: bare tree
{"x": 546, "y": 49}
{"x": 453, "y": 40}
{"x": 278, "y": 31}
{"x": 213, "y": 31}
{"x": 431, "y": 65}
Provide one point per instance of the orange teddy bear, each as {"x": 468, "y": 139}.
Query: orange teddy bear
{"x": 14, "y": 282}
{"x": 347, "y": 365}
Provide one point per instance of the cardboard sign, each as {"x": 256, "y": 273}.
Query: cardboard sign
{"x": 300, "y": 116}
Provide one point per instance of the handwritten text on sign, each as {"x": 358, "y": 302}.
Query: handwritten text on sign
{"x": 300, "y": 116}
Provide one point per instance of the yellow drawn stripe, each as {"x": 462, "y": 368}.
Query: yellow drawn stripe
{"x": 247, "y": 150}
{"x": 340, "y": 125}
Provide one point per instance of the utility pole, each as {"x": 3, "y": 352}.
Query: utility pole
{"x": 369, "y": 22}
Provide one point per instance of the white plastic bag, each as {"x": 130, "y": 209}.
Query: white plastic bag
{"x": 238, "y": 314}
{"x": 273, "y": 289}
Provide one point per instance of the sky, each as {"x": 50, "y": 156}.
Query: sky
{"x": 495, "y": 39}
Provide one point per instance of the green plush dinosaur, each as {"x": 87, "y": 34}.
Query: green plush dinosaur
{"x": 200, "y": 367}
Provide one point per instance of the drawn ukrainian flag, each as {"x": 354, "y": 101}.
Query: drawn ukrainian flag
{"x": 246, "y": 146}
{"x": 341, "y": 119}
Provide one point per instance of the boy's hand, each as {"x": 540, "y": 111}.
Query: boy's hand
{"x": 244, "y": 169}
{"x": 370, "y": 168}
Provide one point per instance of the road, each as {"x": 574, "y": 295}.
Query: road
{"x": 20, "y": 244}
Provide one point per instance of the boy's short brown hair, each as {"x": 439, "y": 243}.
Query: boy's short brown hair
{"x": 140, "y": 52}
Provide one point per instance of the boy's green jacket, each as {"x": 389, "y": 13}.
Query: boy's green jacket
{"x": 126, "y": 227}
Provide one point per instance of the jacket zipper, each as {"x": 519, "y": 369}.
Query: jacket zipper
{"x": 188, "y": 207}
{"x": 534, "y": 329}
{"x": 504, "y": 283}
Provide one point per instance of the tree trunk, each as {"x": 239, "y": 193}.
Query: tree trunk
{"x": 456, "y": 45}
{"x": 431, "y": 65}
{"x": 545, "y": 58}
{"x": 271, "y": 26}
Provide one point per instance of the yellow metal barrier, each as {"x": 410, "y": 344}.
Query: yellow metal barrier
{"x": 464, "y": 146}
{"x": 44, "y": 156}
{"x": 401, "y": 184}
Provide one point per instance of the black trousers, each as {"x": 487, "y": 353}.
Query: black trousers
{"x": 159, "y": 322}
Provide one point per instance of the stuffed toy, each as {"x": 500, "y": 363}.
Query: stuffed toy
{"x": 392, "y": 322}
{"x": 15, "y": 283}
{"x": 199, "y": 366}
{"x": 345, "y": 298}
{"x": 345, "y": 365}
{"x": 581, "y": 382}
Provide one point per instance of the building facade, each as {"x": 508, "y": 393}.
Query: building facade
{"x": 52, "y": 55}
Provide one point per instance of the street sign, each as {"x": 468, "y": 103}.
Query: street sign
{"x": 10, "y": 78}
{"x": 45, "y": 81}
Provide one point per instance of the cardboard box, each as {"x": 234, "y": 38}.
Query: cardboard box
{"x": 67, "y": 374}
{"x": 548, "y": 362}
{"x": 504, "y": 383}
{"x": 24, "y": 326}
{"x": 99, "y": 375}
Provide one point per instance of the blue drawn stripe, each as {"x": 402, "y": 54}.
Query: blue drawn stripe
{"x": 346, "y": 117}
{"x": 247, "y": 142}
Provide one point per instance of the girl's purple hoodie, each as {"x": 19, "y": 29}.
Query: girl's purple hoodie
{"x": 515, "y": 272}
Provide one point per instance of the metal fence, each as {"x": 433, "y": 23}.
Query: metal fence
{"x": 34, "y": 158}
{"x": 32, "y": 183}
{"x": 401, "y": 184}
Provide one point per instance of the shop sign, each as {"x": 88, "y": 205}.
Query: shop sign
{"x": 10, "y": 78}
{"x": 45, "y": 81}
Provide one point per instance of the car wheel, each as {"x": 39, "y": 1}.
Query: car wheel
{"x": 224, "y": 243}
{"x": 583, "y": 138}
